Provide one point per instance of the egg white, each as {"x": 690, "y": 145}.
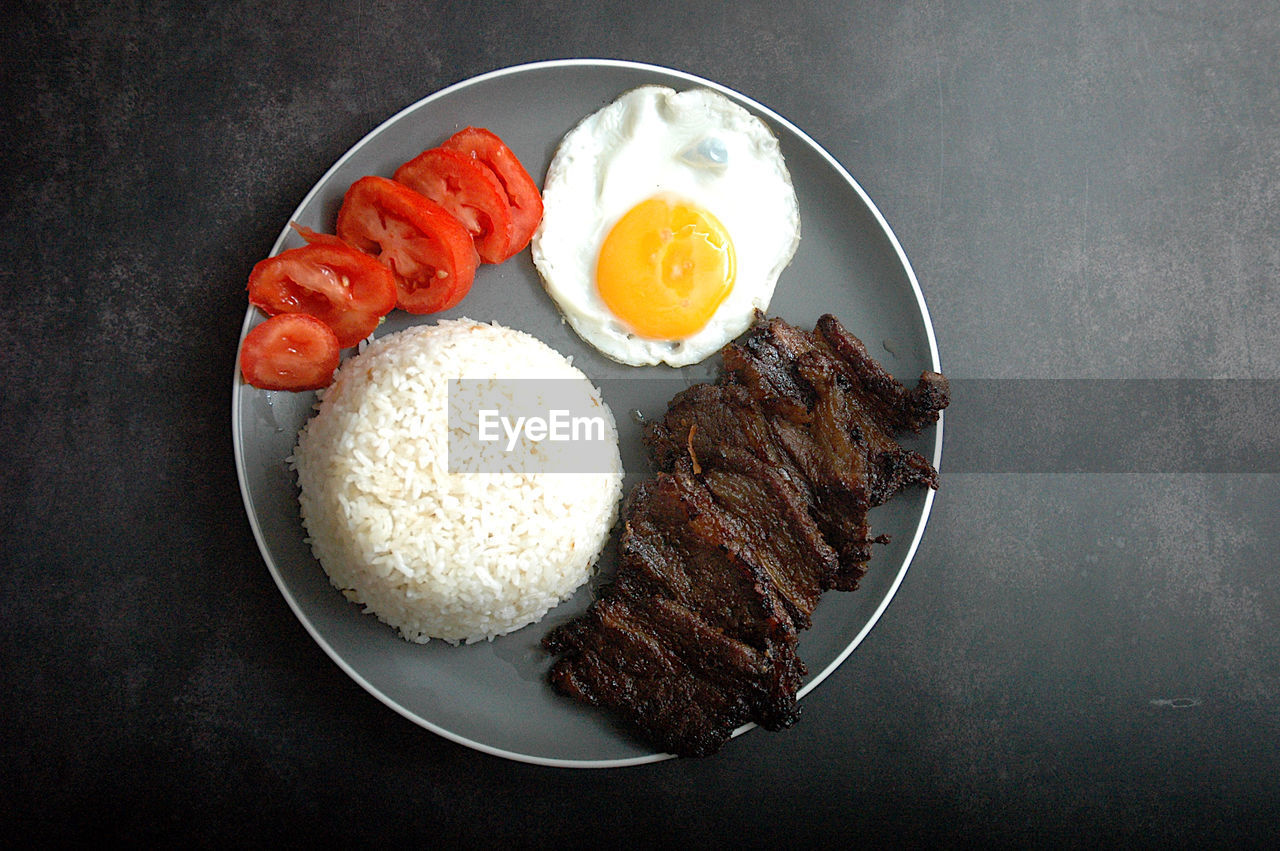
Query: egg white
{"x": 695, "y": 145}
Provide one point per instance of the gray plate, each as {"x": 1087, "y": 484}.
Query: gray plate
{"x": 493, "y": 696}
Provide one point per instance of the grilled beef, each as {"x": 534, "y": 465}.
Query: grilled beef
{"x": 758, "y": 505}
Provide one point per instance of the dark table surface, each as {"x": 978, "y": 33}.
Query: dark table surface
{"x": 1080, "y": 653}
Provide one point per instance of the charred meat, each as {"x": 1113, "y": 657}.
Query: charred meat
{"x": 758, "y": 505}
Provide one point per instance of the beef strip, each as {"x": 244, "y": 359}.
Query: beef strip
{"x": 660, "y": 667}
{"x": 801, "y": 428}
{"x": 781, "y": 535}
{"x": 679, "y": 543}
{"x": 899, "y": 409}
{"x": 650, "y": 664}
{"x": 717, "y": 416}
{"x": 725, "y": 645}
{"x": 759, "y": 503}
{"x": 710, "y": 423}
{"x": 831, "y": 370}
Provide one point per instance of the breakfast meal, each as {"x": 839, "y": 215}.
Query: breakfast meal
{"x": 759, "y": 504}
{"x": 432, "y": 553}
{"x": 668, "y": 217}
{"x": 659, "y": 235}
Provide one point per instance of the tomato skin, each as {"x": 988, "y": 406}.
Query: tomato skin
{"x": 340, "y": 285}
{"x": 289, "y": 351}
{"x": 471, "y": 192}
{"x": 428, "y": 251}
{"x": 522, "y": 193}
{"x": 313, "y": 237}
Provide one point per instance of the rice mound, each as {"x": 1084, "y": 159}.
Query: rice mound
{"x": 455, "y": 556}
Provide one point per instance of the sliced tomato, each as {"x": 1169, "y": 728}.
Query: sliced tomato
{"x": 341, "y": 286}
{"x": 428, "y": 251}
{"x": 468, "y": 190}
{"x": 289, "y": 351}
{"x": 522, "y": 193}
{"x": 314, "y": 237}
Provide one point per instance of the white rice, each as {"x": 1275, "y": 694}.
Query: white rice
{"x": 455, "y": 556}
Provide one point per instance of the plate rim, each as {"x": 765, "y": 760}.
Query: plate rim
{"x": 238, "y": 387}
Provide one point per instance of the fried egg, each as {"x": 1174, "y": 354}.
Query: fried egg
{"x": 668, "y": 217}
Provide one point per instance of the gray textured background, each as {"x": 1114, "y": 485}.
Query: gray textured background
{"x": 1085, "y": 189}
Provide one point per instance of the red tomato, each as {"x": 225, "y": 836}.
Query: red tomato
{"x": 431, "y": 255}
{"x": 468, "y": 190}
{"x": 341, "y": 286}
{"x": 522, "y": 192}
{"x": 289, "y": 351}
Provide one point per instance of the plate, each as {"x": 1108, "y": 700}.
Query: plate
{"x": 492, "y": 696}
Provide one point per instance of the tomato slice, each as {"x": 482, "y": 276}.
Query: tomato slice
{"x": 522, "y": 193}
{"x": 341, "y": 286}
{"x": 468, "y": 190}
{"x": 289, "y": 351}
{"x": 428, "y": 251}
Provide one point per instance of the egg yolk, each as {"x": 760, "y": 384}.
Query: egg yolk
{"x": 665, "y": 267}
